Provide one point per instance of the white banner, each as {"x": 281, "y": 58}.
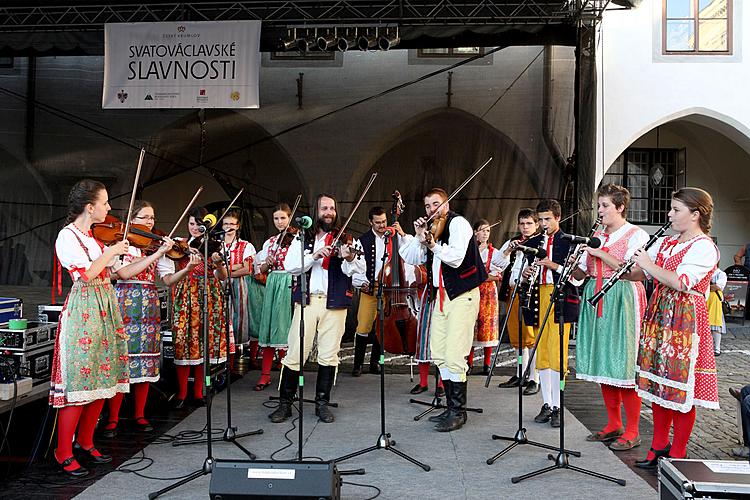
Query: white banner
{"x": 181, "y": 65}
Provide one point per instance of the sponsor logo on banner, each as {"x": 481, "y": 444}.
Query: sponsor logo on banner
{"x": 182, "y": 65}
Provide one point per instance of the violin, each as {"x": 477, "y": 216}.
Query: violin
{"x": 437, "y": 226}
{"x": 113, "y": 229}
{"x": 342, "y": 239}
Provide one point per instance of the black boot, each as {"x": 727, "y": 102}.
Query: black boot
{"x": 289, "y": 380}
{"x": 444, "y": 415}
{"x": 375, "y": 354}
{"x": 323, "y": 393}
{"x": 456, "y": 417}
{"x": 360, "y": 347}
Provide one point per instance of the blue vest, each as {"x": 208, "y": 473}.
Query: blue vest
{"x": 340, "y": 291}
{"x": 572, "y": 301}
{"x": 469, "y": 275}
{"x": 367, "y": 240}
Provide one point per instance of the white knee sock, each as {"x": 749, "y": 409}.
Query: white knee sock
{"x": 525, "y": 359}
{"x": 717, "y": 341}
{"x": 545, "y": 380}
{"x": 533, "y": 374}
{"x": 555, "y": 385}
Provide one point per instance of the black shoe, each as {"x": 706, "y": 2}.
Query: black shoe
{"x": 418, "y": 389}
{"x": 282, "y": 413}
{"x": 375, "y": 369}
{"x": 111, "y": 432}
{"x": 323, "y": 412}
{"x": 198, "y": 403}
{"x": 486, "y": 370}
{"x": 456, "y": 417}
{"x": 323, "y": 386}
{"x": 179, "y": 404}
{"x": 89, "y": 454}
{"x": 143, "y": 425}
{"x": 651, "y": 464}
{"x": 439, "y": 418}
{"x": 357, "y": 371}
{"x": 287, "y": 391}
{"x": 736, "y": 394}
{"x": 511, "y": 382}
{"x": 531, "y": 388}
{"x": 555, "y": 417}
{"x": 440, "y": 392}
{"x": 545, "y": 415}
{"x": 79, "y": 472}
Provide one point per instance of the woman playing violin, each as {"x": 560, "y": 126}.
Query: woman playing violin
{"x": 139, "y": 305}
{"x": 247, "y": 293}
{"x": 276, "y": 316}
{"x": 90, "y": 358}
{"x": 188, "y": 315}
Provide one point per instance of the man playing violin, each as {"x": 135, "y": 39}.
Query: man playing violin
{"x": 329, "y": 269}
{"x": 455, "y": 271}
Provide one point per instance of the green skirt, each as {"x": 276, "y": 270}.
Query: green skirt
{"x": 276, "y": 316}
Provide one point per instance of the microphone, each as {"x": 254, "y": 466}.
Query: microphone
{"x": 539, "y": 253}
{"x": 303, "y": 222}
{"x": 592, "y": 242}
{"x": 208, "y": 221}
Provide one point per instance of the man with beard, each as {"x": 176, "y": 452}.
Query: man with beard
{"x": 329, "y": 295}
{"x": 455, "y": 271}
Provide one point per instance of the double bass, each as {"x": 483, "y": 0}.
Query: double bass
{"x": 400, "y": 298}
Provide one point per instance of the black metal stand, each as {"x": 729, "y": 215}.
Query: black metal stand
{"x": 436, "y": 403}
{"x": 384, "y": 439}
{"x": 208, "y": 463}
{"x": 562, "y": 460}
{"x": 520, "y": 436}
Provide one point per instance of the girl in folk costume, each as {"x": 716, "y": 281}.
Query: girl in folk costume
{"x": 276, "y": 316}
{"x": 139, "y": 305}
{"x": 486, "y": 327}
{"x": 607, "y": 342}
{"x": 246, "y": 292}
{"x": 676, "y": 369}
{"x": 714, "y": 306}
{"x": 91, "y": 354}
{"x": 188, "y": 315}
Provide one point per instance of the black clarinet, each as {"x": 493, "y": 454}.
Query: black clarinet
{"x": 594, "y": 300}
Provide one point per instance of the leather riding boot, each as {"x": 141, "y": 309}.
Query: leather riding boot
{"x": 439, "y": 418}
{"x": 374, "y": 354}
{"x": 287, "y": 391}
{"x": 360, "y": 347}
{"x": 457, "y": 409}
{"x": 323, "y": 387}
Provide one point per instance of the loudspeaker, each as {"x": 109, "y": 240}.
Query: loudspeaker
{"x": 243, "y": 479}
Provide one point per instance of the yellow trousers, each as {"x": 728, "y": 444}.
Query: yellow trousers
{"x": 329, "y": 324}
{"x": 527, "y": 333}
{"x": 368, "y": 309}
{"x": 548, "y": 352}
{"x": 452, "y": 334}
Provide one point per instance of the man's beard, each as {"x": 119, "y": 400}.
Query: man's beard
{"x": 326, "y": 226}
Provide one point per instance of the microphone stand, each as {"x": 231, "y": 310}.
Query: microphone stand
{"x": 562, "y": 458}
{"x": 520, "y": 436}
{"x": 384, "y": 439}
{"x": 208, "y": 463}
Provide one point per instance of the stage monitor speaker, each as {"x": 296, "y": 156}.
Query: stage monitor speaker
{"x": 244, "y": 479}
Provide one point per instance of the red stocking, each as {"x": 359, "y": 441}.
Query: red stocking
{"x": 282, "y": 353}
{"x": 87, "y": 424}
{"x": 67, "y": 422}
{"x": 253, "y": 353}
{"x": 662, "y": 423}
{"x": 140, "y": 391}
{"x": 198, "y": 382}
{"x": 114, "y": 404}
{"x": 424, "y": 373}
{"x": 683, "y": 427}
{"x": 265, "y": 370}
{"x": 470, "y": 360}
{"x": 632, "y": 403}
{"x": 612, "y": 402}
{"x": 183, "y": 372}
{"x": 487, "y": 356}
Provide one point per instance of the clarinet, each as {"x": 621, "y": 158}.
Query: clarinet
{"x": 594, "y": 300}
{"x": 527, "y": 290}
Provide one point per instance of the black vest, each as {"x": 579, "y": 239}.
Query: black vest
{"x": 572, "y": 301}
{"x": 367, "y": 240}
{"x": 505, "y": 282}
{"x": 340, "y": 291}
{"x": 467, "y": 276}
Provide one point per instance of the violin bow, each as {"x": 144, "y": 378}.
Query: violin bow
{"x": 277, "y": 243}
{"x": 356, "y": 206}
{"x": 184, "y": 213}
{"x": 228, "y": 207}
{"x": 458, "y": 190}
{"x": 132, "y": 194}
{"x": 499, "y": 221}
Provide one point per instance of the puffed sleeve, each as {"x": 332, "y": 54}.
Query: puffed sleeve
{"x": 412, "y": 251}
{"x": 635, "y": 242}
{"x": 699, "y": 260}
{"x": 71, "y": 255}
{"x": 249, "y": 252}
{"x": 165, "y": 266}
{"x": 720, "y": 279}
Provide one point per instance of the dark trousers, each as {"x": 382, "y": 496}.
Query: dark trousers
{"x": 745, "y": 412}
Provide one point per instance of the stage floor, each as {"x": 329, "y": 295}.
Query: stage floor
{"x": 457, "y": 459}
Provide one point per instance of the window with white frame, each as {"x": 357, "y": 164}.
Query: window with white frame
{"x": 697, "y": 27}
